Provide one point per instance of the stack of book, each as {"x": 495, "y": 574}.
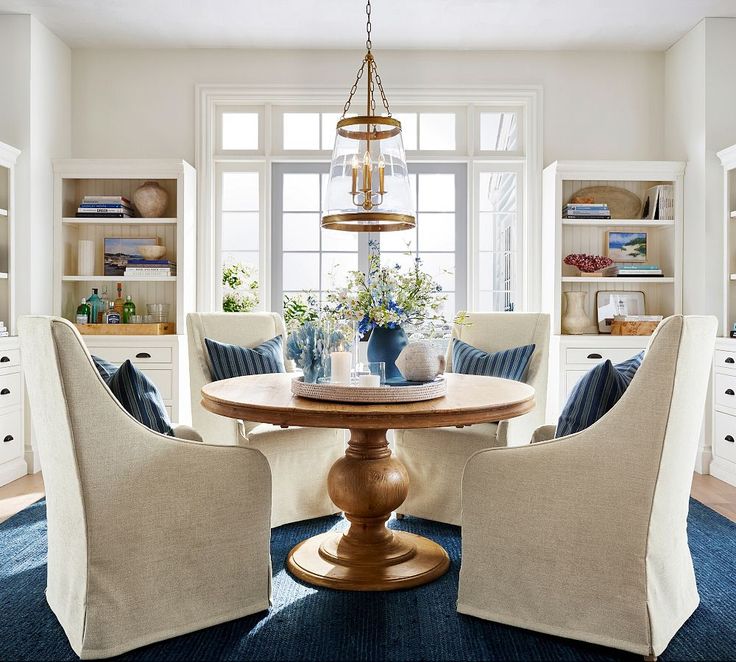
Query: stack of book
{"x": 589, "y": 210}
{"x": 639, "y": 270}
{"x": 150, "y": 268}
{"x": 105, "y": 206}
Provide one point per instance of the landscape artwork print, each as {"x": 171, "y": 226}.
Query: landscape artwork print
{"x": 119, "y": 250}
{"x": 627, "y": 246}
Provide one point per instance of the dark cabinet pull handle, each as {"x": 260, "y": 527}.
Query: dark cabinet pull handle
{"x": 8, "y": 439}
{"x": 729, "y": 360}
{"x": 594, "y": 355}
{"x": 5, "y": 391}
{"x": 143, "y": 355}
{"x": 729, "y": 391}
{"x": 729, "y": 438}
{"x": 4, "y": 359}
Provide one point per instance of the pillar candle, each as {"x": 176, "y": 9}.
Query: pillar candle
{"x": 341, "y": 364}
{"x": 369, "y": 380}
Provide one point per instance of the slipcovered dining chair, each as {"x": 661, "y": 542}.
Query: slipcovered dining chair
{"x": 585, "y": 536}
{"x": 435, "y": 458}
{"x": 300, "y": 458}
{"x": 149, "y": 536}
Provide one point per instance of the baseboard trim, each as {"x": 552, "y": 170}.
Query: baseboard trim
{"x": 32, "y": 461}
{"x": 723, "y": 470}
{"x": 703, "y": 461}
{"x": 12, "y": 470}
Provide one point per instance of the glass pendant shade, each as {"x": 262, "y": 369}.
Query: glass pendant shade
{"x": 368, "y": 188}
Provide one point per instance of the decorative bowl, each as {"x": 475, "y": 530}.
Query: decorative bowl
{"x": 152, "y": 252}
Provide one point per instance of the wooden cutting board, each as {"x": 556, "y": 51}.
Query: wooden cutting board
{"x": 160, "y": 329}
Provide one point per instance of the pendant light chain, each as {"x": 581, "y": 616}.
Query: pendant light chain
{"x": 373, "y": 74}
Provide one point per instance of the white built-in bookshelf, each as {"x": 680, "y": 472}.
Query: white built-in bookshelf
{"x": 162, "y": 357}
{"x": 723, "y": 463}
{"x": 13, "y": 462}
{"x": 575, "y": 354}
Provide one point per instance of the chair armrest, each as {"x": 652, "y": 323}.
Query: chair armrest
{"x": 186, "y": 432}
{"x": 518, "y": 431}
{"x": 544, "y": 433}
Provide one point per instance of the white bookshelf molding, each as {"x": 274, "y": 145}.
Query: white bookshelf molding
{"x": 14, "y": 453}
{"x": 573, "y": 355}
{"x": 162, "y": 358}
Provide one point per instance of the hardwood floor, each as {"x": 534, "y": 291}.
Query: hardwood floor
{"x": 710, "y": 491}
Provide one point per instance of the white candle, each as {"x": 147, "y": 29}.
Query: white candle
{"x": 371, "y": 381}
{"x": 341, "y": 363}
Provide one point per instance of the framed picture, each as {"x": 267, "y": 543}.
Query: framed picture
{"x": 119, "y": 250}
{"x": 626, "y": 246}
{"x": 609, "y": 304}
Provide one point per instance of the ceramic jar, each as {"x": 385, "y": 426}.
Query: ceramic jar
{"x": 420, "y": 362}
{"x": 575, "y": 321}
{"x": 150, "y": 200}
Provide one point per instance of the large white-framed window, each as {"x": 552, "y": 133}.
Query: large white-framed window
{"x": 492, "y": 137}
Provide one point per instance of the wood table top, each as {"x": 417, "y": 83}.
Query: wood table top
{"x": 268, "y": 399}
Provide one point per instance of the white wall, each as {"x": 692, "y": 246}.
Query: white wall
{"x": 140, "y": 103}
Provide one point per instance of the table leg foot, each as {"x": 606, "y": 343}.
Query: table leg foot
{"x": 368, "y": 484}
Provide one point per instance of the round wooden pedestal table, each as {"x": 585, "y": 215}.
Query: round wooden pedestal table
{"x": 367, "y": 484}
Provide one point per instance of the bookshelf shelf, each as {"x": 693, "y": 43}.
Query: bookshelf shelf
{"x": 617, "y": 222}
{"x": 3, "y": 275}
{"x": 3, "y": 212}
{"x": 73, "y": 220}
{"x": 119, "y": 279}
{"x": 733, "y": 214}
{"x": 650, "y": 280}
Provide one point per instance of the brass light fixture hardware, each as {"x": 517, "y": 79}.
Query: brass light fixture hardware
{"x": 368, "y": 189}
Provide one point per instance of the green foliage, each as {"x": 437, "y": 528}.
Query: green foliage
{"x": 239, "y": 288}
{"x": 298, "y": 310}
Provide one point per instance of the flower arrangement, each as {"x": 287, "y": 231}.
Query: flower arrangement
{"x": 387, "y": 296}
{"x": 588, "y": 263}
{"x": 309, "y": 346}
{"x": 239, "y": 287}
{"x": 300, "y": 309}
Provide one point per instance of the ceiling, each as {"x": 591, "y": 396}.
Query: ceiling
{"x": 397, "y": 24}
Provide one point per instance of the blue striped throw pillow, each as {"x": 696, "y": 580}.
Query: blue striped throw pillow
{"x": 235, "y": 361}
{"x": 508, "y": 363}
{"x": 595, "y": 394}
{"x": 136, "y": 393}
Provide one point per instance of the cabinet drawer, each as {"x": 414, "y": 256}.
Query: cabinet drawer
{"x": 592, "y": 356}
{"x": 9, "y": 358}
{"x": 725, "y": 390}
{"x": 724, "y": 441}
{"x": 164, "y": 380}
{"x": 10, "y": 390}
{"x": 11, "y": 442}
{"x": 571, "y": 378}
{"x": 138, "y": 355}
{"x": 724, "y": 359}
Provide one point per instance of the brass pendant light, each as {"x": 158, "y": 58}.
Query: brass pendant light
{"x": 368, "y": 188}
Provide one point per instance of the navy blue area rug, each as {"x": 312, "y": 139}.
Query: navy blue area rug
{"x": 306, "y": 623}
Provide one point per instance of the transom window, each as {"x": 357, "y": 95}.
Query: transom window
{"x": 468, "y": 168}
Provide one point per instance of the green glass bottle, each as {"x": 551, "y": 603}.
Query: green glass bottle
{"x": 128, "y": 309}
{"x": 83, "y": 312}
{"x": 95, "y": 307}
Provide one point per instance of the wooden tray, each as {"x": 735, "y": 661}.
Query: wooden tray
{"x": 364, "y": 395}
{"x": 159, "y": 329}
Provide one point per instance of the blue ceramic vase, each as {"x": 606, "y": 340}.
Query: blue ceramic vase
{"x": 385, "y": 345}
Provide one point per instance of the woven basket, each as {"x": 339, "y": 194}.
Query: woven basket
{"x": 363, "y": 395}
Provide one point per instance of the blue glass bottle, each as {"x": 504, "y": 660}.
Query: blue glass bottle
{"x": 95, "y": 306}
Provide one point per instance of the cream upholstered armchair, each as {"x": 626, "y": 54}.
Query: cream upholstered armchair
{"x": 300, "y": 458}
{"x": 149, "y": 536}
{"x": 586, "y": 536}
{"x": 435, "y": 458}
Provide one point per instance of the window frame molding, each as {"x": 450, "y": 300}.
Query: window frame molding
{"x": 209, "y": 100}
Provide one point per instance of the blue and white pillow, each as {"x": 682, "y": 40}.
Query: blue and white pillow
{"x": 595, "y": 394}
{"x": 508, "y": 363}
{"x": 136, "y": 393}
{"x": 229, "y": 361}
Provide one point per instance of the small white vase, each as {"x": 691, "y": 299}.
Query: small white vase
{"x": 574, "y": 320}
